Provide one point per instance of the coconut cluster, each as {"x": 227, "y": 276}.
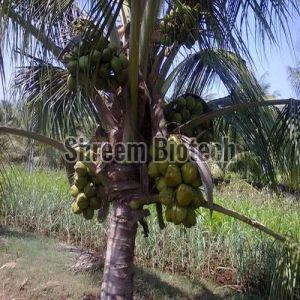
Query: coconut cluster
{"x": 96, "y": 64}
{"x": 184, "y": 109}
{"x": 88, "y": 191}
{"x": 180, "y": 26}
{"x": 178, "y": 182}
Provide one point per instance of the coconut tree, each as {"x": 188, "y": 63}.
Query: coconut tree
{"x": 120, "y": 68}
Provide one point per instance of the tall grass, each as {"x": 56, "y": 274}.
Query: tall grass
{"x": 218, "y": 247}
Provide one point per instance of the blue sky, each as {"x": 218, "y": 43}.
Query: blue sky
{"x": 272, "y": 65}
{"x": 277, "y": 59}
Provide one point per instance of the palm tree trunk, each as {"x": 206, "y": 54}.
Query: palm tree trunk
{"x": 124, "y": 186}
{"x": 118, "y": 269}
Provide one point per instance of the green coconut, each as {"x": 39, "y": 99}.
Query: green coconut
{"x": 74, "y": 190}
{"x": 190, "y": 219}
{"x": 198, "y": 109}
{"x": 176, "y": 118}
{"x": 113, "y": 47}
{"x": 80, "y": 182}
{"x": 184, "y": 195}
{"x": 82, "y": 201}
{"x": 173, "y": 176}
{"x": 162, "y": 167}
{"x": 84, "y": 63}
{"x": 88, "y": 213}
{"x": 124, "y": 61}
{"x": 189, "y": 172}
{"x": 116, "y": 65}
{"x": 153, "y": 171}
{"x": 89, "y": 190}
{"x": 197, "y": 182}
{"x": 72, "y": 83}
{"x": 75, "y": 208}
{"x": 166, "y": 196}
{"x": 161, "y": 184}
{"x": 186, "y": 115}
{"x": 95, "y": 203}
{"x": 107, "y": 55}
{"x": 72, "y": 67}
{"x": 181, "y": 102}
{"x": 95, "y": 56}
{"x": 178, "y": 214}
{"x": 80, "y": 168}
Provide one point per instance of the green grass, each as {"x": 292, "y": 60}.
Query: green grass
{"x": 37, "y": 267}
{"x": 218, "y": 248}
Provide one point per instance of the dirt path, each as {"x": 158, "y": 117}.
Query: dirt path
{"x": 36, "y": 267}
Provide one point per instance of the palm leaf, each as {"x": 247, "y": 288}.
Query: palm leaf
{"x": 31, "y": 135}
{"x": 286, "y": 279}
{"x": 7, "y": 171}
{"x": 274, "y": 140}
{"x": 294, "y": 76}
{"x": 102, "y": 19}
{"x": 285, "y": 142}
{"x": 200, "y": 70}
{"x": 52, "y": 107}
{"x": 225, "y": 22}
{"x": 28, "y": 26}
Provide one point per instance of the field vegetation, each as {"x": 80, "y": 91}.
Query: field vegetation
{"x": 218, "y": 248}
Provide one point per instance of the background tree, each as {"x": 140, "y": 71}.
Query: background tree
{"x": 294, "y": 76}
{"x": 128, "y": 105}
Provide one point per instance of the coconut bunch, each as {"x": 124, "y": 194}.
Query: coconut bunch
{"x": 97, "y": 63}
{"x": 88, "y": 191}
{"x": 178, "y": 182}
{"x": 180, "y": 26}
{"x": 186, "y": 108}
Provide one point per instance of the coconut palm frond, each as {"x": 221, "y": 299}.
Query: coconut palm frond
{"x": 294, "y": 77}
{"x": 40, "y": 10}
{"x": 52, "y": 108}
{"x": 272, "y": 135}
{"x": 38, "y": 26}
{"x": 286, "y": 278}
{"x": 31, "y": 135}
{"x": 224, "y": 23}
{"x": 7, "y": 168}
{"x": 252, "y": 128}
{"x": 102, "y": 17}
{"x": 2, "y": 71}
{"x": 269, "y": 17}
{"x": 8, "y": 171}
{"x": 268, "y": 130}
{"x": 285, "y": 142}
{"x": 199, "y": 71}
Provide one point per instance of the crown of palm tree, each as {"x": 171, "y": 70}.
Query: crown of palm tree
{"x": 40, "y": 32}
